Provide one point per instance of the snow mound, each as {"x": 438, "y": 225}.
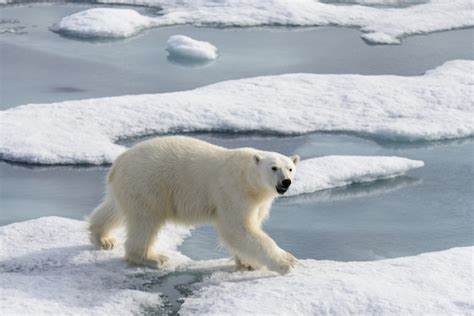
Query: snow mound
{"x": 435, "y": 106}
{"x": 103, "y": 23}
{"x": 379, "y": 25}
{"x": 337, "y": 171}
{"x": 438, "y": 283}
{"x": 48, "y": 266}
{"x": 181, "y": 46}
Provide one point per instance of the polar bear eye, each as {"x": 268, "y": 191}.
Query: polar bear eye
{"x": 274, "y": 168}
{"x": 291, "y": 170}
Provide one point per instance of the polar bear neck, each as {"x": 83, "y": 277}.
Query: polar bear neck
{"x": 242, "y": 165}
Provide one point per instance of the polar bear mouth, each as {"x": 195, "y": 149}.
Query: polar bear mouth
{"x": 281, "y": 190}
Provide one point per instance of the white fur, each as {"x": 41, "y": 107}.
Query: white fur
{"x": 185, "y": 180}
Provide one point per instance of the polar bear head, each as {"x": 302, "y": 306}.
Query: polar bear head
{"x": 274, "y": 172}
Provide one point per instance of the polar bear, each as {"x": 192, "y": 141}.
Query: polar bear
{"x": 188, "y": 181}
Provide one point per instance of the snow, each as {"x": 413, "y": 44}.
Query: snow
{"x": 435, "y": 106}
{"x": 49, "y": 267}
{"x": 337, "y": 171}
{"x": 380, "y": 38}
{"x": 438, "y": 283}
{"x": 185, "y": 47}
{"x": 103, "y": 23}
{"x": 380, "y": 2}
{"x": 379, "y": 25}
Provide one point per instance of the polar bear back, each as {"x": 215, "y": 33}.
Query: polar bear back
{"x": 178, "y": 178}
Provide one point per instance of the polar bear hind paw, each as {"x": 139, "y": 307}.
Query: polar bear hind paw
{"x": 105, "y": 243}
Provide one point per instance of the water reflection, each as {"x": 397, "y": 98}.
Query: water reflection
{"x": 188, "y": 62}
{"x": 353, "y": 191}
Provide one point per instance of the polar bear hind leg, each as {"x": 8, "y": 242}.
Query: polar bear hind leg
{"x": 102, "y": 221}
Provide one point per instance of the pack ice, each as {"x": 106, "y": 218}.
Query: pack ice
{"x": 378, "y": 25}
{"x": 435, "y": 106}
{"x": 47, "y": 266}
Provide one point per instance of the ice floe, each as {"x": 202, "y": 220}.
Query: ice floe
{"x": 47, "y": 266}
{"x": 180, "y": 46}
{"x": 378, "y": 25}
{"x": 394, "y": 3}
{"x": 435, "y": 106}
{"x": 337, "y": 171}
{"x": 103, "y": 23}
{"x": 359, "y": 190}
{"x": 432, "y": 283}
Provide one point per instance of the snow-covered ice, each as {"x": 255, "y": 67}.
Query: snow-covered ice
{"x": 363, "y": 190}
{"x": 181, "y": 46}
{"x": 403, "y": 3}
{"x": 379, "y": 25}
{"x": 337, "y": 171}
{"x": 435, "y": 106}
{"x": 438, "y": 283}
{"x": 47, "y": 266}
{"x": 103, "y": 23}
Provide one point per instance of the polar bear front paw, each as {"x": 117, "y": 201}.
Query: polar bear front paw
{"x": 240, "y": 266}
{"x": 284, "y": 263}
{"x": 155, "y": 261}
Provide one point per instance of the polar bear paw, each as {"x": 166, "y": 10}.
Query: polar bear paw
{"x": 105, "y": 243}
{"x": 240, "y": 266}
{"x": 154, "y": 261}
{"x": 284, "y": 263}
{"x": 108, "y": 243}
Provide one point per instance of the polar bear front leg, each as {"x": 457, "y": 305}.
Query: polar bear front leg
{"x": 139, "y": 247}
{"x": 250, "y": 241}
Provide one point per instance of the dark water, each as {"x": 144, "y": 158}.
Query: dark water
{"x": 41, "y": 66}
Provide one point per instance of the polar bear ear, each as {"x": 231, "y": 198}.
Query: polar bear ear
{"x": 257, "y": 158}
{"x": 295, "y": 159}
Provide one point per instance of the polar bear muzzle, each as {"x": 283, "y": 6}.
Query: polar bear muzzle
{"x": 283, "y": 186}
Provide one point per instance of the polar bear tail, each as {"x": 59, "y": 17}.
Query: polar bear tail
{"x": 102, "y": 221}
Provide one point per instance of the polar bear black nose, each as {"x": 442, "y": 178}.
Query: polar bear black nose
{"x": 286, "y": 183}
